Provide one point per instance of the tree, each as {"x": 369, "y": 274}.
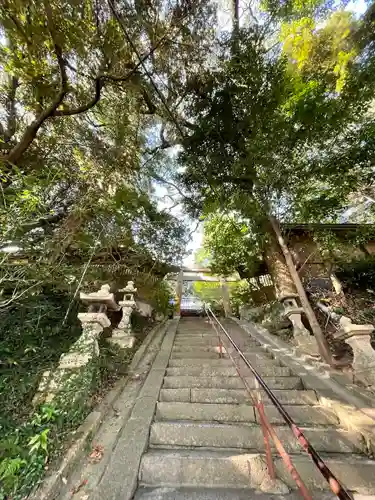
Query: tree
{"x": 60, "y": 60}
{"x": 231, "y": 246}
{"x": 77, "y": 109}
{"x": 262, "y": 138}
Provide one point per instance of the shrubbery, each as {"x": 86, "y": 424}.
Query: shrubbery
{"x": 358, "y": 274}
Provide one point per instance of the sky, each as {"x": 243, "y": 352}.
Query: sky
{"x": 357, "y": 6}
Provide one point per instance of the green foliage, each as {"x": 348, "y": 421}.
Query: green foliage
{"x": 232, "y": 247}
{"x": 287, "y": 133}
{"x": 209, "y": 292}
{"x": 241, "y": 294}
{"x": 24, "y": 451}
{"x": 32, "y": 340}
{"x": 358, "y": 274}
{"x": 161, "y": 295}
{"x": 320, "y": 54}
{"x": 295, "y": 9}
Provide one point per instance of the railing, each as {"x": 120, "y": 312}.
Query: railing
{"x": 269, "y": 432}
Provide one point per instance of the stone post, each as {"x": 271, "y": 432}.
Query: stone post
{"x": 226, "y": 298}
{"x": 179, "y": 289}
{"x": 359, "y": 339}
{"x": 122, "y": 335}
{"x": 306, "y": 343}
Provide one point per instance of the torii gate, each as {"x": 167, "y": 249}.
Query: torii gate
{"x": 200, "y": 274}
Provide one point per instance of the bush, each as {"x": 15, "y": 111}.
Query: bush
{"x": 358, "y": 274}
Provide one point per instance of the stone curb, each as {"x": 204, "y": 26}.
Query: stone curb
{"x": 354, "y": 408}
{"x": 51, "y": 484}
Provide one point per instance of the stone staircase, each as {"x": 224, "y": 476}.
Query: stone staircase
{"x": 206, "y": 441}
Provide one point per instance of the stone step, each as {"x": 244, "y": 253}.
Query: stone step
{"x": 188, "y": 468}
{"x": 258, "y": 361}
{"x": 211, "y": 435}
{"x": 302, "y": 415}
{"x": 195, "y": 348}
{"x": 207, "y": 334}
{"x": 197, "y": 354}
{"x": 204, "y": 371}
{"x": 229, "y": 371}
{"x": 208, "y": 341}
{"x": 199, "y": 362}
{"x": 162, "y": 493}
{"x": 214, "y": 347}
{"x": 230, "y": 382}
{"x": 200, "y": 354}
{"x": 307, "y": 415}
{"x": 205, "y": 412}
{"x": 235, "y": 396}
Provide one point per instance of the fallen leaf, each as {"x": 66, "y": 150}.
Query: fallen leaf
{"x": 64, "y": 480}
{"x": 79, "y": 487}
{"x": 96, "y": 454}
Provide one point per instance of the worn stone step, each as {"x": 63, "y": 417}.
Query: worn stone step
{"x": 214, "y": 347}
{"x": 302, "y": 415}
{"x": 230, "y": 382}
{"x": 210, "y": 382}
{"x": 200, "y": 354}
{"x": 258, "y": 362}
{"x": 197, "y": 342}
{"x": 197, "y": 354}
{"x": 199, "y": 362}
{"x": 204, "y": 371}
{"x": 163, "y": 493}
{"x": 229, "y": 371}
{"x": 204, "y": 345}
{"x": 212, "y": 435}
{"x": 208, "y": 341}
{"x": 195, "y": 348}
{"x": 187, "y": 468}
{"x": 190, "y": 468}
{"x": 205, "y": 412}
{"x": 189, "y": 336}
{"x": 235, "y": 396}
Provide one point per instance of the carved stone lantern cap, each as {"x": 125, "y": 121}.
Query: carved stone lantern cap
{"x": 349, "y": 329}
{"x": 103, "y": 296}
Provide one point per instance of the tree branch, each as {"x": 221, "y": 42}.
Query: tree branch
{"x": 31, "y": 131}
{"x": 85, "y": 107}
{"x": 158, "y": 178}
{"x": 11, "y": 109}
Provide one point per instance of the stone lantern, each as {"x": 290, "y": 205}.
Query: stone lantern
{"x": 122, "y": 335}
{"x": 359, "y": 339}
{"x": 306, "y": 343}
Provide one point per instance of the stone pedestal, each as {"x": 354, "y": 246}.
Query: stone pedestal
{"x": 306, "y": 343}
{"x": 70, "y": 371}
{"x": 359, "y": 339}
{"x": 122, "y": 335}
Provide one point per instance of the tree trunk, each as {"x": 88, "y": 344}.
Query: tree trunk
{"x": 315, "y": 327}
{"x": 278, "y": 269}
